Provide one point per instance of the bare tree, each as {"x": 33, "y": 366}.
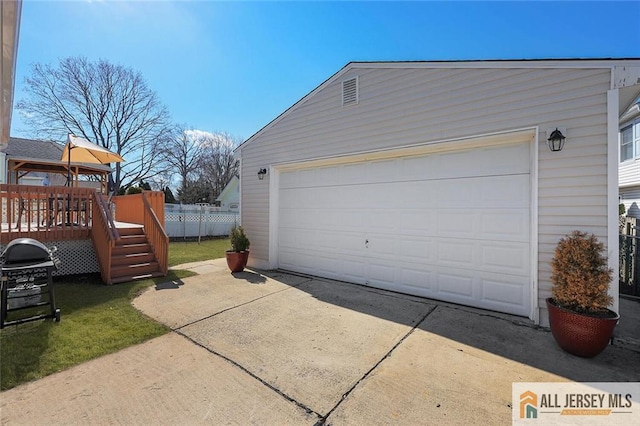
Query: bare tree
{"x": 183, "y": 154}
{"x": 218, "y": 163}
{"x": 107, "y": 104}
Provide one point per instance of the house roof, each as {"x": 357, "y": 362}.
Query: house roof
{"x": 491, "y": 63}
{"x": 39, "y": 155}
{"x": 34, "y": 149}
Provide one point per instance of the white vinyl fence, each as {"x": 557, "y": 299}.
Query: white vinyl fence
{"x": 192, "y": 221}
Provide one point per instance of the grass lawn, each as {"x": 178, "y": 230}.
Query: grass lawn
{"x": 192, "y": 251}
{"x": 96, "y": 320}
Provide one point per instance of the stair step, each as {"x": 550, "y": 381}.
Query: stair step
{"x": 134, "y": 269}
{"x": 132, "y": 258}
{"x": 131, "y": 239}
{"x": 131, "y": 231}
{"x": 126, "y": 278}
{"x": 120, "y": 250}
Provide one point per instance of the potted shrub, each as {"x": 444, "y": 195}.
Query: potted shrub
{"x": 579, "y": 317}
{"x": 239, "y": 254}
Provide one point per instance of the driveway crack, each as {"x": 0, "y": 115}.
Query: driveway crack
{"x": 324, "y": 418}
{"x": 241, "y": 367}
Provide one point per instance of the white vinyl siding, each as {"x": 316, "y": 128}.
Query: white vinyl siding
{"x": 405, "y": 106}
{"x": 630, "y": 197}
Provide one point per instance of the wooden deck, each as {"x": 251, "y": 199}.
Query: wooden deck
{"x": 130, "y": 244}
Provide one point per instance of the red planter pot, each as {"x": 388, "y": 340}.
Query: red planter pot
{"x": 580, "y": 334}
{"x": 236, "y": 261}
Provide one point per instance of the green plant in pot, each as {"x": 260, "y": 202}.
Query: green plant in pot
{"x": 579, "y": 317}
{"x": 239, "y": 254}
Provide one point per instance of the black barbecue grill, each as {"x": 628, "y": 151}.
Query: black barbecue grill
{"x": 27, "y": 284}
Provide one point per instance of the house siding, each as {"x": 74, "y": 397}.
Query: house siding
{"x": 406, "y": 106}
{"x": 630, "y": 197}
{"x": 629, "y": 173}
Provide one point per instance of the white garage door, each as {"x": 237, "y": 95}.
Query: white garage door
{"x": 453, "y": 226}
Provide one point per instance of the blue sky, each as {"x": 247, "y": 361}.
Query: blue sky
{"x": 235, "y": 66}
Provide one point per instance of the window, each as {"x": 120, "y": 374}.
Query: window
{"x": 630, "y": 141}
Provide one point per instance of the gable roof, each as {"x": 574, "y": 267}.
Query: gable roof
{"x": 34, "y": 149}
{"x": 491, "y": 63}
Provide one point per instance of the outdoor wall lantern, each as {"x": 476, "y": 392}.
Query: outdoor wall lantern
{"x": 556, "y": 140}
{"x": 261, "y": 173}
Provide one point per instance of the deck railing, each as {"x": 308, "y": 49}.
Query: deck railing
{"x": 146, "y": 209}
{"x": 104, "y": 235}
{"x": 46, "y": 213}
{"x": 158, "y": 238}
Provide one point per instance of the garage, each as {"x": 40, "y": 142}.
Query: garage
{"x": 449, "y": 222}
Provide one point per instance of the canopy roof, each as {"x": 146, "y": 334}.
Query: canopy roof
{"x": 29, "y": 155}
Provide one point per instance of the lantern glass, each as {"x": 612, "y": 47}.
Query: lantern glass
{"x": 556, "y": 140}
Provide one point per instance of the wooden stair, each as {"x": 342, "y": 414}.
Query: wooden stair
{"x": 132, "y": 257}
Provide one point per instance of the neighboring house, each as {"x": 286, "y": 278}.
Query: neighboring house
{"x": 629, "y": 177}
{"x": 229, "y": 198}
{"x": 435, "y": 178}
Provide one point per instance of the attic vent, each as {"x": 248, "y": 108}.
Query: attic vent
{"x": 350, "y": 91}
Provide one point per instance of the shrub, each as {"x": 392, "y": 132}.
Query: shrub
{"x": 621, "y": 209}
{"x": 580, "y": 274}
{"x": 134, "y": 190}
{"x": 239, "y": 241}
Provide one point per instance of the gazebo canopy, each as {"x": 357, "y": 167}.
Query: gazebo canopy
{"x": 27, "y": 155}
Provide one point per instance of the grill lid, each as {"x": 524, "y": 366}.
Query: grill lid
{"x": 25, "y": 250}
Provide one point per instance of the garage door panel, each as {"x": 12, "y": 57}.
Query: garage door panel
{"x": 504, "y": 160}
{"x": 504, "y": 225}
{"x": 453, "y": 226}
{"x": 421, "y": 222}
{"x": 323, "y": 240}
{"x": 456, "y": 194}
{"x": 456, "y": 224}
{"x": 505, "y": 296}
{"x": 354, "y": 173}
{"x": 512, "y": 259}
{"x": 417, "y": 278}
{"x": 384, "y": 220}
{"x": 328, "y": 176}
{"x": 458, "y": 287}
{"x": 422, "y": 195}
{"x": 353, "y": 269}
{"x": 381, "y": 273}
{"x": 508, "y": 192}
{"x": 381, "y": 246}
{"x": 347, "y": 220}
{"x": 419, "y": 168}
{"x": 456, "y": 254}
{"x": 382, "y": 171}
{"x": 499, "y": 291}
{"x": 422, "y": 250}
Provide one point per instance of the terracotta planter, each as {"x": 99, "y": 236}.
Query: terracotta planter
{"x": 580, "y": 334}
{"x": 236, "y": 261}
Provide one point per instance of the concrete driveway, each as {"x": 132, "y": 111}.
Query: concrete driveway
{"x": 276, "y": 348}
